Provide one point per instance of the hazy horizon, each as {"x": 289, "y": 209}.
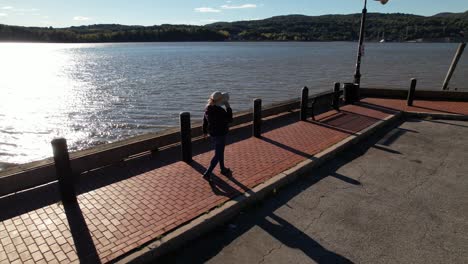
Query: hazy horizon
{"x": 62, "y": 14}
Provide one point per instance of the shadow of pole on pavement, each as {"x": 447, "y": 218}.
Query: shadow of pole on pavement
{"x": 84, "y": 245}
{"x": 288, "y": 235}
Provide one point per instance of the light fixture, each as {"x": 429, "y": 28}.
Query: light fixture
{"x": 383, "y": 2}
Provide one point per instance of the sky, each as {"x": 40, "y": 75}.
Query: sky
{"x": 64, "y": 13}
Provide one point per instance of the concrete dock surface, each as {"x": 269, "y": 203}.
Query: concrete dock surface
{"x": 400, "y": 198}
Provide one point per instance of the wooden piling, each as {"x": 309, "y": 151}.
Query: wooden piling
{"x": 304, "y": 103}
{"x": 64, "y": 170}
{"x": 411, "y": 92}
{"x": 336, "y": 97}
{"x": 257, "y": 118}
{"x": 312, "y": 108}
{"x": 186, "y": 137}
{"x": 453, "y": 66}
{"x": 351, "y": 93}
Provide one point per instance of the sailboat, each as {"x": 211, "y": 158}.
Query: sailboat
{"x": 383, "y": 38}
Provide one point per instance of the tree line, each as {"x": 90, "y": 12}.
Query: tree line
{"x": 392, "y": 27}
{"x": 110, "y": 33}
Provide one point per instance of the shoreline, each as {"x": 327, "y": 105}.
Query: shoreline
{"x": 231, "y": 41}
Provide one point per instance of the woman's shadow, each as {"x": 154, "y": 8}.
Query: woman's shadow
{"x": 221, "y": 187}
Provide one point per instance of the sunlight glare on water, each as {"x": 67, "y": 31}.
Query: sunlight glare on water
{"x": 26, "y": 109}
{"x": 39, "y": 95}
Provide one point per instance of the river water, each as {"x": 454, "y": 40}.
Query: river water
{"x": 97, "y": 93}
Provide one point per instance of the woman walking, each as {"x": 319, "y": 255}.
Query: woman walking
{"x": 216, "y": 124}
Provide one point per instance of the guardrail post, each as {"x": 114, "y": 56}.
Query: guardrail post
{"x": 336, "y": 97}
{"x": 411, "y": 92}
{"x": 351, "y": 93}
{"x": 304, "y": 103}
{"x": 186, "y": 137}
{"x": 257, "y": 118}
{"x": 64, "y": 170}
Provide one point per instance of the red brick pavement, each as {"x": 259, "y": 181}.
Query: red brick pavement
{"x": 125, "y": 214}
{"x": 444, "y": 107}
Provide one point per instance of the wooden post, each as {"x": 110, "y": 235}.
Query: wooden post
{"x": 452, "y": 68}
{"x": 64, "y": 170}
{"x": 186, "y": 137}
{"x": 411, "y": 92}
{"x": 257, "y": 118}
{"x": 357, "y": 92}
{"x": 312, "y": 108}
{"x": 304, "y": 103}
{"x": 336, "y": 97}
{"x": 350, "y": 93}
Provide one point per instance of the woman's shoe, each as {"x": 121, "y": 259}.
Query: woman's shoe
{"x": 208, "y": 177}
{"x": 226, "y": 172}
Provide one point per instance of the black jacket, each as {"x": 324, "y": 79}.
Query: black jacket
{"x": 216, "y": 120}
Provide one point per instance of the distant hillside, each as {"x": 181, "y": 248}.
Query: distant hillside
{"x": 452, "y": 15}
{"x": 393, "y": 27}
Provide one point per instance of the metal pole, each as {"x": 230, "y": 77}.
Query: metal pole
{"x": 357, "y": 74}
{"x": 455, "y": 61}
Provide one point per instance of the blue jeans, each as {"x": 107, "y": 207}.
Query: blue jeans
{"x": 219, "y": 144}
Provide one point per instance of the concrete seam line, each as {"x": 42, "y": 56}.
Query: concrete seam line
{"x": 218, "y": 216}
{"x": 437, "y": 116}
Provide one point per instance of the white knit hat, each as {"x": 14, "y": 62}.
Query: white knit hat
{"x": 216, "y": 96}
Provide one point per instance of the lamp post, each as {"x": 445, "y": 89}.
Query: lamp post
{"x": 357, "y": 74}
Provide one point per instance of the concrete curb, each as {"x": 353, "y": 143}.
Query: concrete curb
{"x": 218, "y": 216}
